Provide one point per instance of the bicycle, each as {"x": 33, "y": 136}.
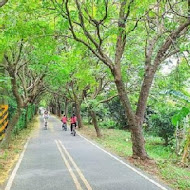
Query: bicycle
{"x": 74, "y": 129}
{"x": 45, "y": 124}
{"x": 64, "y": 126}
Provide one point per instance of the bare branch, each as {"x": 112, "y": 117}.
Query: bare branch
{"x": 128, "y": 10}
{"x": 23, "y": 64}
{"x": 107, "y": 100}
{"x": 19, "y": 53}
{"x": 175, "y": 12}
{"x": 121, "y": 38}
{"x": 172, "y": 37}
{"x": 105, "y": 59}
{"x": 170, "y": 54}
{"x": 106, "y": 12}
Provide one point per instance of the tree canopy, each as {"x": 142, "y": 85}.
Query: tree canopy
{"x": 91, "y": 54}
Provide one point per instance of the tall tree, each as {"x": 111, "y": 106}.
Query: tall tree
{"x": 115, "y": 21}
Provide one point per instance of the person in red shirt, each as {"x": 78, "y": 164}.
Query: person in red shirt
{"x": 73, "y": 122}
{"x": 64, "y": 121}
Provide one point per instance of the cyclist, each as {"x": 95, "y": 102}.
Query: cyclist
{"x": 45, "y": 116}
{"x": 64, "y": 121}
{"x": 73, "y": 122}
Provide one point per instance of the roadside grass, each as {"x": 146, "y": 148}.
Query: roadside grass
{"x": 10, "y": 155}
{"x": 178, "y": 177}
{"x": 164, "y": 164}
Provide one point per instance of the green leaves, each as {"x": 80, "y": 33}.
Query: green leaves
{"x": 176, "y": 94}
{"x": 180, "y": 115}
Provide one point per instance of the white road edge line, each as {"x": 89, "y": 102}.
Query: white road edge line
{"x": 13, "y": 174}
{"x": 122, "y": 162}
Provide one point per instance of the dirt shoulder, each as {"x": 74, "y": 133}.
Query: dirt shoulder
{"x": 10, "y": 155}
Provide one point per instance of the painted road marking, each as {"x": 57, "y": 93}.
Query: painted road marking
{"x": 122, "y": 162}
{"x": 13, "y": 174}
{"x": 77, "y": 184}
{"x": 76, "y": 167}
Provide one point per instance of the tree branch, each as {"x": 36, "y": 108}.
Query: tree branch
{"x": 19, "y": 53}
{"x": 107, "y": 100}
{"x": 105, "y": 59}
{"x": 172, "y": 37}
{"x": 3, "y": 2}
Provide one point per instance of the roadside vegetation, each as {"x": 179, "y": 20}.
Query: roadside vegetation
{"x": 164, "y": 166}
{"x": 9, "y": 156}
{"x": 121, "y": 66}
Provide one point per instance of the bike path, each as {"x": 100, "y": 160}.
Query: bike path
{"x": 56, "y": 160}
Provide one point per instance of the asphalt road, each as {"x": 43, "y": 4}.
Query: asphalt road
{"x": 56, "y": 160}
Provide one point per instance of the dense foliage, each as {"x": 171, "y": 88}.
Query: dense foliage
{"x": 120, "y": 64}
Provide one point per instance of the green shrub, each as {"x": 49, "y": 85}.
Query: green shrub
{"x": 26, "y": 116}
{"x": 161, "y": 125}
{"x": 109, "y": 124}
{"x": 117, "y": 113}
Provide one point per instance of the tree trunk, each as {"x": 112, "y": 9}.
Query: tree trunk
{"x": 73, "y": 109}
{"x": 166, "y": 143}
{"x": 3, "y": 89}
{"x": 138, "y": 142}
{"x": 55, "y": 106}
{"x": 54, "y": 110}
{"x": 89, "y": 118}
{"x": 66, "y": 107}
{"x": 3, "y": 2}
{"x": 145, "y": 89}
{"x": 95, "y": 123}
{"x": 18, "y": 112}
{"x": 79, "y": 118}
{"x": 123, "y": 97}
{"x": 26, "y": 116}
{"x": 36, "y": 109}
{"x": 58, "y": 109}
{"x": 12, "y": 123}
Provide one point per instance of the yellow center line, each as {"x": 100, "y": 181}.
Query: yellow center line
{"x": 76, "y": 167}
{"x": 77, "y": 184}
